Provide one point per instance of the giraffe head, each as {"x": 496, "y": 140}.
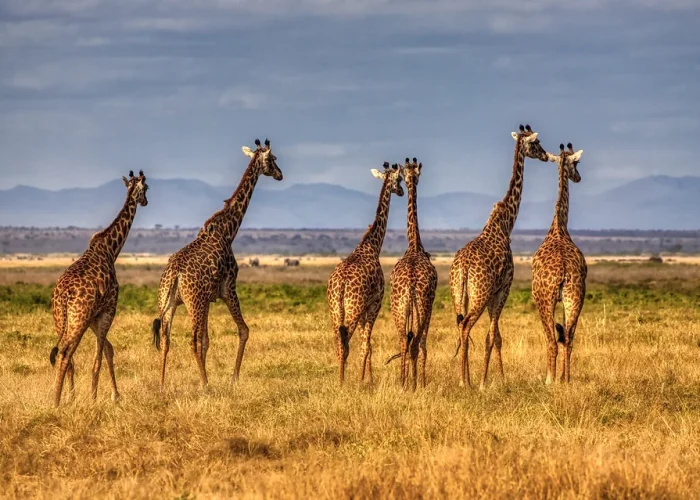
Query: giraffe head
{"x": 411, "y": 172}
{"x": 567, "y": 160}
{"x": 529, "y": 141}
{"x": 137, "y": 187}
{"x": 392, "y": 175}
{"x": 263, "y": 158}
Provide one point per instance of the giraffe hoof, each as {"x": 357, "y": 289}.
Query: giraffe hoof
{"x": 116, "y": 397}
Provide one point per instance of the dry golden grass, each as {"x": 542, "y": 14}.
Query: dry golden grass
{"x": 627, "y": 426}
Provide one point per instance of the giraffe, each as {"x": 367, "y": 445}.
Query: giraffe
{"x": 86, "y": 294}
{"x": 413, "y": 283}
{"x": 206, "y": 270}
{"x": 559, "y": 270}
{"x": 356, "y": 286}
{"x": 482, "y": 272}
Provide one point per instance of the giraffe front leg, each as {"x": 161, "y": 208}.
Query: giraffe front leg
{"x": 97, "y": 365}
{"x": 367, "y": 353}
{"x": 370, "y": 318}
{"x": 70, "y": 372}
{"x": 234, "y": 307}
{"x": 109, "y": 354}
{"x": 478, "y": 306}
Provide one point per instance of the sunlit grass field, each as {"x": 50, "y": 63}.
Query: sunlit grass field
{"x": 627, "y": 426}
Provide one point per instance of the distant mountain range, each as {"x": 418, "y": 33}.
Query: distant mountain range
{"x": 656, "y": 202}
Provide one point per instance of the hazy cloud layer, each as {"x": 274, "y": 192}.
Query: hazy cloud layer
{"x": 92, "y": 88}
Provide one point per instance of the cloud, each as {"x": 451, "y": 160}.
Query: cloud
{"x": 242, "y": 97}
{"x": 34, "y": 32}
{"x": 503, "y": 62}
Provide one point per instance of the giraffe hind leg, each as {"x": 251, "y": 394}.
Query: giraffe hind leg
{"x": 200, "y": 315}
{"x": 467, "y": 325}
{"x": 101, "y": 327}
{"x": 573, "y": 303}
{"x": 66, "y": 348}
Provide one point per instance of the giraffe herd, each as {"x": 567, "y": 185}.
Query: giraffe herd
{"x": 205, "y": 270}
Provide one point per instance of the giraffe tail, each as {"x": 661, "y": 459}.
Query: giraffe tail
{"x": 61, "y": 311}
{"x": 408, "y": 320}
{"x": 52, "y": 356}
{"x": 561, "y": 337}
{"x": 155, "y": 329}
{"x": 560, "y": 333}
{"x": 344, "y": 337}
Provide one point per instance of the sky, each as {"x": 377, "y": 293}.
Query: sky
{"x": 92, "y": 88}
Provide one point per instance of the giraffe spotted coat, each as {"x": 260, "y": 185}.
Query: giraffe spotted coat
{"x": 356, "y": 286}
{"x": 482, "y": 272}
{"x": 559, "y": 271}
{"x": 413, "y": 284}
{"x": 205, "y": 270}
{"x": 86, "y": 294}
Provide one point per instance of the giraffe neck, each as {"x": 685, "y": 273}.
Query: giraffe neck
{"x": 374, "y": 236}
{"x": 111, "y": 239}
{"x": 511, "y": 201}
{"x": 412, "y": 232}
{"x": 228, "y": 220}
{"x": 560, "y": 222}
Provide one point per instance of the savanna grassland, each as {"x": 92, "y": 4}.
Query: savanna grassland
{"x": 627, "y": 426}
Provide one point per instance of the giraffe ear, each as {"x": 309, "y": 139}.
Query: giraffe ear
{"x": 378, "y": 174}
{"x": 247, "y": 151}
{"x": 577, "y": 155}
{"x": 126, "y": 181}
{"x": 514, "y": 135}
{"x": 553, "y": 158}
